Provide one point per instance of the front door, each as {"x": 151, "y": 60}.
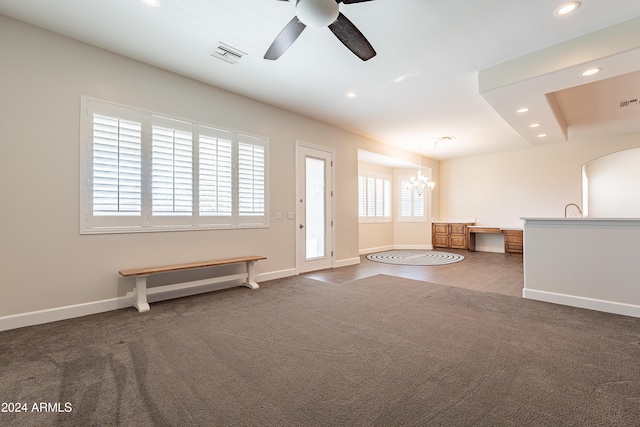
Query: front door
{"x": 314, "y": 219}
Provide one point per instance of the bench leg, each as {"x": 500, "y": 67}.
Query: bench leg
{"x": 251, "y": 281}
{"x": 141, "y": 294}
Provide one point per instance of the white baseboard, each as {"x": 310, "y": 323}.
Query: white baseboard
{"x": 583, "y": 302}
{"x": 345, "y": 262}
{"x": 263, "y": 277}
{"x": 367, "y": 251}
{"x": 61, "y": 313}
{"x": 414, "y": 247}
{"x": 161, "y": 293}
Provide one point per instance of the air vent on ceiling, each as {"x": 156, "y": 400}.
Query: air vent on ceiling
{"x": 226, "y": 53}
{"x": 629, "y": 102}
{"x": 446, "y": 138}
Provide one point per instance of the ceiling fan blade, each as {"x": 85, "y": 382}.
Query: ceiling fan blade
{"x": 352, "y": 38}
{"x": 350, "y": 1}
{"x": 285, "y": 39}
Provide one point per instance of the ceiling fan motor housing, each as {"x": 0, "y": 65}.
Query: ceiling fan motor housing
{"x": 317, "y": 13}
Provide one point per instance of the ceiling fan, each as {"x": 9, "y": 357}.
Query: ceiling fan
{"x": 322, "y": 13}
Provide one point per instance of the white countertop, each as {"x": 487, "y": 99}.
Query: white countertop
{"x": 509, "y": 228}
{"x": 580, "y": 219}
{"x": 454, "y": 221}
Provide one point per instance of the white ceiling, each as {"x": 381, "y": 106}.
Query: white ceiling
{"x": 422, "y": 85}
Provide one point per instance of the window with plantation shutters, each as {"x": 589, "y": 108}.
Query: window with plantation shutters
{"x": 117, "y": 166}
{"x": 251, "y": 176}
{"x": 371, "y": 197}
{"x": 412, "y": 205}
{"x": 362, "y": 196}
{"x": 145, "y": 172}
{"x": 386, "y": 194}
{"x": 215, "y": 169}
{"x": 379, "y": 196}
{"x": 374, "y": 197}
{"x": 171, "y": 168}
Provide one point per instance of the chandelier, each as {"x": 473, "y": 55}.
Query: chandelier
{"x": 420, "y": 182}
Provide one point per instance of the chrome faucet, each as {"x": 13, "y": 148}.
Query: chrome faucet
{"x": 570, "y": 204}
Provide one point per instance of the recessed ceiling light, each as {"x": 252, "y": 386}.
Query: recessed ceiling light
{"x": 351, "y": 94}
{"x": 151, "y": 3}
{"x": 567, "y": 8}
{"x": 542, "y": 135}
{"x": 523, "y": 110}
{"x": 592, "y": 71}
{"x": 534, "y": 125}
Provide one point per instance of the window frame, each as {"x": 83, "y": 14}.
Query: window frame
{"x": 403, "y": 180}
{"x": 147, "y": 221}
{"x": 378, "y": 209}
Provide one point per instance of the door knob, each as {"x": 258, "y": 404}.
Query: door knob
{"x": 301, "y": 225}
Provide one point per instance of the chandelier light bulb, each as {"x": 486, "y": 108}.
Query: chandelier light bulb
{"x": 419, "y": 183}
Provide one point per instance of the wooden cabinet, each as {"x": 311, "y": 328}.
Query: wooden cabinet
{"x": 440, "y": 235}
{"x": 513, "y": 241}
{"x": 450, "y": 235}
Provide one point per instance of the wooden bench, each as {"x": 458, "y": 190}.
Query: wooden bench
{"x": 141, "y": 275}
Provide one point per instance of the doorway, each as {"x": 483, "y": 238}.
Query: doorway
{"x": 314, "y": 207}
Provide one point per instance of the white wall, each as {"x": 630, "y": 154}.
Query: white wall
{"x": 500, "y": 188}
{"x": 613, "y": 185}
{"x": 44, "y": 261}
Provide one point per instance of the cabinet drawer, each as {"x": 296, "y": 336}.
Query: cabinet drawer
{"x": 513, "y": 241}
{"x": 440, "y": 229}
{"x": 459, "y": 242}
{"x": 513, "y": 236}
{"x": 441, "y": 241}
{"x": 458, "y": 229}
{"x": 513, "y": 247}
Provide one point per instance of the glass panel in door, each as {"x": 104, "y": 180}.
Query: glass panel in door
{"x": 315, "y": 210}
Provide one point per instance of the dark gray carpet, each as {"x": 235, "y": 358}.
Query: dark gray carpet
{"x": 380, "y": 351}
{"x": 415, "y": 257}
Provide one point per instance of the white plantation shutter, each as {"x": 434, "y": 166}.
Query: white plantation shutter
{"x": 371, "y": 197}
{"x": 406, "y": 205}
{"x": 143, "y": 172}
{"x": 116, "y": 166}
{"x": 251, "y": 176}
{"x": 374, "y": 197}
{"x": 215, "y": 166}
{"x": 418, "y": 205}
{"x": 171, "y": 167}
{"x": 412, "y": 206}
{"x": 379, "y": 197}
{"x": 387, "y": 199}
{"x": 362, "y": 196}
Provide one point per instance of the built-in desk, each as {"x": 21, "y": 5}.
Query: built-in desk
{"x": 513, "y": 237}
{"x": 472, "y": 230}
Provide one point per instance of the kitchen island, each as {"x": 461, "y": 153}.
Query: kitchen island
{"x": 592, "y": 263}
